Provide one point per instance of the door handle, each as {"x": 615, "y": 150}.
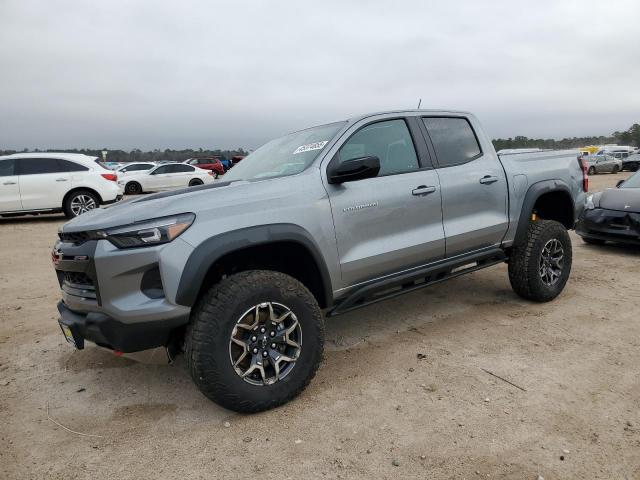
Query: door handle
{"x": 423, "y": 190}
{"x": 9, "y": 183}
{"x": 487, "y": 179}
{"x": 61, "y": 179}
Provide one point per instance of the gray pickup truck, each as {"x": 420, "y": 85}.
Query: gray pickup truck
{"x": 238, "y": 275}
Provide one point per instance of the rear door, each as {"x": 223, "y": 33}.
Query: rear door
{"x": 43, "y": 183}
{"x": 393, "y": 221}
{"x": 473, "y": 183}
{"x": 9, "y": 187}
{"x": 182, "y": 174}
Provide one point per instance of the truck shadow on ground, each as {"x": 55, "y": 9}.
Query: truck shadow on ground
{"x": 116, "y": 384}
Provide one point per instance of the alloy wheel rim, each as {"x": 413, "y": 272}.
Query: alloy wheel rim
{"x": 265, "y": 343}
{"x": 551, "y": 262}
{"x": 81, "y": 204}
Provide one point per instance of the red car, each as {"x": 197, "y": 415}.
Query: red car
{"x": 208, "y": 163}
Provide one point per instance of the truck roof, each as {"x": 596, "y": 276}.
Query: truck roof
{"x": 411, "y": 111}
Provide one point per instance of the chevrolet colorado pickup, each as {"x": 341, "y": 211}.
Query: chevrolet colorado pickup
{"x": 320, "y": 222}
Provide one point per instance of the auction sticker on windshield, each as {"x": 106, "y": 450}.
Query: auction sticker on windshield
{"x": 310, "y": 146}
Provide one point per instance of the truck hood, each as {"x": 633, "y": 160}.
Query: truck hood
{"x": 153, "y": 206}
{"x": 623, "y": 199}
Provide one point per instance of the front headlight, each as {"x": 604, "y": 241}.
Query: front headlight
{"x": 149, "y": 232}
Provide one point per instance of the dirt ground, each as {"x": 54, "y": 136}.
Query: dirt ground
{"x": 404, "y": 390}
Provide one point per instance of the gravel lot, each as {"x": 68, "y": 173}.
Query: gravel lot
{"x": 403, "y": 391}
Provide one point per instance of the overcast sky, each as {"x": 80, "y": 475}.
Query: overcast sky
{"x": 171, "y": 74}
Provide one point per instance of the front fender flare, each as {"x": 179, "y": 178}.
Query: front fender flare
{"x": 214, "y": 248}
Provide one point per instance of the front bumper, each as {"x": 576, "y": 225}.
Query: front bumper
{"x": 120, "y": 299}
{"x": 610, "y": 225}
{"x": 116, "y": 335}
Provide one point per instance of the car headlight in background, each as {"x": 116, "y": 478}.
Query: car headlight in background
{"x": 149, "y": 232}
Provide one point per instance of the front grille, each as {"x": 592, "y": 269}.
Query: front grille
{"x": 78, "y": 278}
{"x": 79, "y": 284}
{"x": 77, "y": 238}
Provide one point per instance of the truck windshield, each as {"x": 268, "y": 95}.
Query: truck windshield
{"x": 286, "y": 155}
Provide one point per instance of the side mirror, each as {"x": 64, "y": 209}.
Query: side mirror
{"x": 354, "y": 169}
{"x": 619, "y": 184}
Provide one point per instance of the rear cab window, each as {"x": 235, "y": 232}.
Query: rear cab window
{"x": 453, "y": 139}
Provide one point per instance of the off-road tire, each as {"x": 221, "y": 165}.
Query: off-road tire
{"x": 67, "y": 206}
{"x": 133, "y": 188}
{"x": 524, "y": 274}
{"x": 593, "y": 241}
{"x": 209, "y": 331}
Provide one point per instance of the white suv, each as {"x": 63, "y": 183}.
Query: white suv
{"x": 72, "y": 183}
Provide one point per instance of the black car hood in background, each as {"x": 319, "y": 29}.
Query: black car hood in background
{"x": 623, "y": 199}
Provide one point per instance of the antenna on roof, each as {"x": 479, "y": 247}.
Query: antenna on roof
{"x": 419, "y": 103}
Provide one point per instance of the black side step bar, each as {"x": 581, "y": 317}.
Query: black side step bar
{"x": 421, "y": 277}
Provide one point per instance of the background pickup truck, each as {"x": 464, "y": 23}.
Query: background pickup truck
{"x": 320, "y": 221}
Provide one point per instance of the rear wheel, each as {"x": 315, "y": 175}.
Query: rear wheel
{"x": 616, "y": 169}
{"x": 255, "y": 340}
{"x": 133, "y": 188}
{"x": 591, "y": 171}
{"x": 540, "y": 265}
{"x": 195, "y": 182}
{"x": 80, "y": 202}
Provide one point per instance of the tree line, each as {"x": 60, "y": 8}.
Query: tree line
{"x": 137, "y": 155}
{"x": 629, "y": 137}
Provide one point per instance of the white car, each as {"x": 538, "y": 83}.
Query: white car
{"x": 167, "y": 176}
{"x": 72, "y": 183}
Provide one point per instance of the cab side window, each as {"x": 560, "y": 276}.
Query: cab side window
{"x": 180, "y": 168}
{"x": 67, "y": 166}
{"x": 453, "y": 139}
{"x": 161, "y": 170}
{"x": 35, "y": 166}
{"x": 388, "y": 140}
{"x": 7, "y": 167}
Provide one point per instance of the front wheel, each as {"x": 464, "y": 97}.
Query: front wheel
{"x": 616, "y": 169}
{"x": 255, "y": 340}
{"x": 591, "y": 171}
{"x": 539, "y": 266}
{"x": 195, "y": 182}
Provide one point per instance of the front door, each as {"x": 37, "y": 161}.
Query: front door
{"x": 474, "y": 186}
{"x": 9, "y": 187}
{"x": 160, "y": 178}
{"x": 393, "y": 221}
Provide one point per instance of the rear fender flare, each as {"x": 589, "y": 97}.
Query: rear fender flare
{"x": 534, "y": 192}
